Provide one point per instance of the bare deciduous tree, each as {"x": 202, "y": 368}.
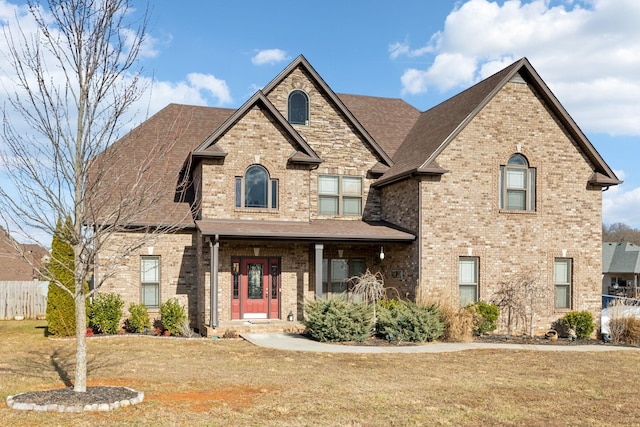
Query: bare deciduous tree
{"x": 370, "y": 286}
{"x": 620, "y": 232}
{"x": 517, "y": 298}
{"x": 74, "y": 84}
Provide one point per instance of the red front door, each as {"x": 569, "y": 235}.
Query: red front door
{"x": 256, "y": 288}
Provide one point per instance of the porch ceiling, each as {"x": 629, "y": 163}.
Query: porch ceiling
{"x": 315, "y": 231}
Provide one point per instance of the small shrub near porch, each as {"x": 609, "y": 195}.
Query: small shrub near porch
{"x": 407, "y": 321}
{"x": 335, "y": 320}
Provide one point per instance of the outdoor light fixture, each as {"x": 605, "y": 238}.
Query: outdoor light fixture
{"x": 381, "y": 253}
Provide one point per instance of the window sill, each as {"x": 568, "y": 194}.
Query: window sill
{"x": 517, "y": 212}
{"x": 257, "y": 210}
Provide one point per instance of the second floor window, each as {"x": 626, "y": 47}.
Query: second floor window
{"x": 298, "y": 108}
{"x": 256, "y": 190}
{"x": 339, "y": 195}
{"x": 517, "y": 185}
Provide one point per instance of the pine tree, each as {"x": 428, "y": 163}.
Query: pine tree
{"x": 60, "y": 306}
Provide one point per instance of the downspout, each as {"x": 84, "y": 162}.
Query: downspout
{"x": 213, "y": 279}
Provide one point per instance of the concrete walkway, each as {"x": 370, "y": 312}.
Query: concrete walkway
{"x": 294, "y": 342}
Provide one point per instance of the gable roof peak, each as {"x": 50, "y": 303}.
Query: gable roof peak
{"x": 438, "y": 126}
{"x": 301, "y": 61}
{"x": 208, "y": 148}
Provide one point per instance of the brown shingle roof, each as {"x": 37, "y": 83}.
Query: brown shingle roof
{"x": 388, "y": 120}
{"x": 159, "y": 149}
{"x": 438, "y": 126}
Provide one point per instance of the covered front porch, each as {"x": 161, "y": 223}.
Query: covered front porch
{"x": 259, "y": 274}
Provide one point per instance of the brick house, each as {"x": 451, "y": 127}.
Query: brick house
{"x": 20, "y": 262}
{"x": 301, "y": 188}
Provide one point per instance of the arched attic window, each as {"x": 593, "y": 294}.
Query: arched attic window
{"x": 298, "y": 108}
{"x": 517, "y": 185}
{"x": 256, "y": 190}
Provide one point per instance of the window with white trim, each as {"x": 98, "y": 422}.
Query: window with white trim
{"x": 339, "y": 195}
{"x": 562, "y": 278}
{"x": 150, "y": 281}
{"x": 256, "y": 190}
{"x": 468, "y": 280}
{"x": 517, "y": 185}
{"x": 298, "y": 108}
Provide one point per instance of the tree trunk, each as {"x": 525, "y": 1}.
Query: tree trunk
{"x": 80, "y": 384}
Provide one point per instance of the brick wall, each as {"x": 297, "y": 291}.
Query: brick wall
{"x": 178, "y": 269}
{"x": 461, "y": 215}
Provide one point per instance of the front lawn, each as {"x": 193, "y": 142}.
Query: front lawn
{"x": 231, "y": 382}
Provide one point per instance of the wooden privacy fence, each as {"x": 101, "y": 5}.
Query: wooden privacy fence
{"x": 28, "y": 299}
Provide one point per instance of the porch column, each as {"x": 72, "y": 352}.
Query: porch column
{"x": 319, "y": 249}
{"x": 214, "y": 248}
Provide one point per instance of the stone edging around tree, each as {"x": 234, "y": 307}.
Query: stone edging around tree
{"x": 56, "y": 407}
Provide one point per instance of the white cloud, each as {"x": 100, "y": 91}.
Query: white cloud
{"x": 620, "y": 204}
{"x": 269, "y": 56}
{"x": 216, "y": 87}
{"x": 585, "y": 50}
{"x": 148, "y": 47}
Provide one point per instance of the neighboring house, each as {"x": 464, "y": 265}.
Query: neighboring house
{"x": 302, "y": 188}
{"x": 20, "y": 262}
{"x": 620, "y": 269}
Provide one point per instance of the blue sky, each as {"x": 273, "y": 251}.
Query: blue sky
{"x": 218, "y": 53}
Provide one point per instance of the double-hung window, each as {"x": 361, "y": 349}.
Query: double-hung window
{"x": 256, "y": 190}
{"x": 468, "y": 280}
{"x": 517, "y": 185}
{"x": 150, "y": 281}
{"x": 339, "y": 195}
{"x": 562, "y": 277}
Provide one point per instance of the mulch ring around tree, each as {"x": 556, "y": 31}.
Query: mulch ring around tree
{"x": 98, "y": 398}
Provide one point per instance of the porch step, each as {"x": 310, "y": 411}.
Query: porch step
{"x": 235, "y": 328}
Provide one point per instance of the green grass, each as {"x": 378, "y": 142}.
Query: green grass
{"x": 231, "y": 382}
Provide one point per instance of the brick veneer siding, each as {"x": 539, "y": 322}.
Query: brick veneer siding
{"x": 400, "y": 203}
{"x": 178, "y": 270}
{"x": 333, "y": 139}
{"x": 460, "y": 214}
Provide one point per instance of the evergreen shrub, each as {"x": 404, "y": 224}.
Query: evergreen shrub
{"x": 580, "y": 321}
{"x": 105, "y": 313}
{"x": 172, "y": 316}
{"x": 335, "y": 319}
{"x": 61, "y": 316}
{"x": 485, "y": 317}
{"x": 409, "y": 321}
{"x": 138, "y": 319}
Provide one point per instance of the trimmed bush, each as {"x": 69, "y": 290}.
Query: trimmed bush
{"x": 335, "y": 320}
{"x": 138, "y": 319}
{"x": 485, "y": 317}
{"x": 105, "y": 313}
{"x": 409, "y": 322}
{"x": 580, "y": 321}
{"x": 172, "y": 316}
